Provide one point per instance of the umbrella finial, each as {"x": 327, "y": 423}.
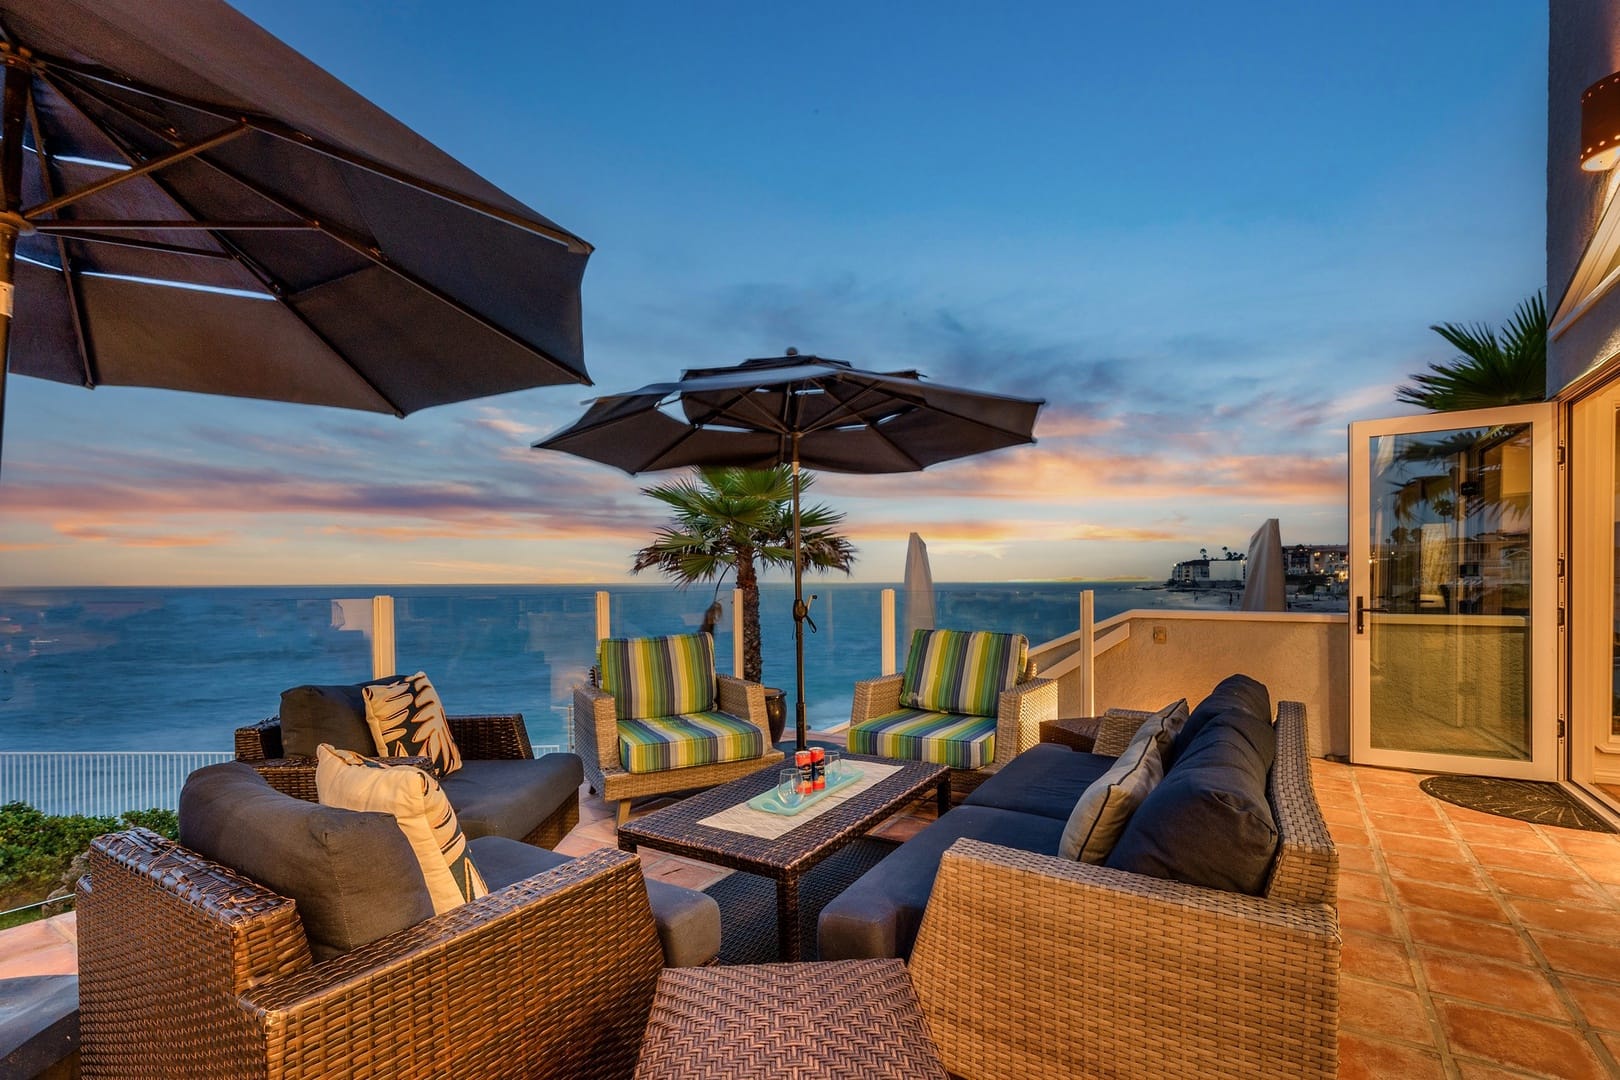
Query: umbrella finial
{"x": 791, "y": 351}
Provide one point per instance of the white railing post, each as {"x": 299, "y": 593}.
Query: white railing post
{"x": 383, "y": 661}
{"x": 1088, "y": 654}
{"x": 604, "y": 626}
{"x": 736, "y": 633}
{"x": 886, "y": 606}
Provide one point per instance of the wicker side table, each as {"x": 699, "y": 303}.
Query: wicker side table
{"x": 1075, "y": 732}
{"x": 850, "y": 1018}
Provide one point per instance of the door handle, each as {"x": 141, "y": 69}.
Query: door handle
{"x": 1362, "y": 610}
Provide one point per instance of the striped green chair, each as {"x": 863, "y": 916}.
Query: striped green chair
{"x": 967, "y": 699}
{"x": 661, "y": 721}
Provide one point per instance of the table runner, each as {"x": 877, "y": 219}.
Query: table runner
{"x": 743, "y": 818}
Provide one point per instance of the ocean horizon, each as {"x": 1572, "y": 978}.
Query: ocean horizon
{"x": 179, "y": 668}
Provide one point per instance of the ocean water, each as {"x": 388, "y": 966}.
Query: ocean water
{"x": 180, "y": 669}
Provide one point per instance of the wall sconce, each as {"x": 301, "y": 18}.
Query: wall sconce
{"x": 1600, "y": 124}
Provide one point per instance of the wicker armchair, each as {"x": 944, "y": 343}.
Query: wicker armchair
{"x": 187, "y": 969}
{"x": 478, "y": 738}
{"x": 1033, "y": 966}
{"x": 596, "y": 738}
{"x": 1019, "y": 715}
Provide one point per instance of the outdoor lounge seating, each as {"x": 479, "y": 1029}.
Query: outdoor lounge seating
{"x": 306, "y": 947}
{"x": 662, "y": 721}
{"x": 969, "y": 700}
{"x": 1032, "y": 965}
{"x": 501, "y": 789}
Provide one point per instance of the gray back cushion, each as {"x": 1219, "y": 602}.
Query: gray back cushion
{"x": 353, "y": 875}
{"x": 1209, "y": 822}
{"x": 311, "y": 715}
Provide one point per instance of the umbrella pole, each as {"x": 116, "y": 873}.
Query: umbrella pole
{"x": 800, "y": 611}
{"x": 15, "y": 107}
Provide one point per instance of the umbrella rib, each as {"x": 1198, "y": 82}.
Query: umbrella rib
{"x": 268, "y": 280}
{"x": 280, "y": 291}
{"x": 377, "y": 257}
{"x": 130, "y": 242}
{"x": 70, "y": 276}
{"x": 555, "y": 233}
{"x": 152, "y": 165}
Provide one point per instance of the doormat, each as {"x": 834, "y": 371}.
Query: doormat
{"x": 1534, "y": 801}
{"x": 748, "y": 902}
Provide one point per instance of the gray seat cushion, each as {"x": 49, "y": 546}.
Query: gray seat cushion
{"x": 688, "y": 921}
{"x": 1046, "y": 779}
{"x": 353, "y": 875}
{"x": 510, "y": 797}
{"x": 879, "y": 915}
{"x": 311, "y": 715}
{"x": 39, "y": 1025}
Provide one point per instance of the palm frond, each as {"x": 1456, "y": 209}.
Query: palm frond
{"x": 1490, "y": 370}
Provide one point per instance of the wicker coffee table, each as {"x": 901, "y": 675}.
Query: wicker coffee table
{"x": 675, "y": 830}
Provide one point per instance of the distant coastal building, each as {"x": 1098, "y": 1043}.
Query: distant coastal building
{"x": 1207, "y": 573}
{"x": 1317, "y": 560}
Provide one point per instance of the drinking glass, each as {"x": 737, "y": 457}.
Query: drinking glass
{"x": 787, "y": 788}
{"x": 835, "y": 766}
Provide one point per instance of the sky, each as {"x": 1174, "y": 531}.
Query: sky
{"x": 1209, "y": 236}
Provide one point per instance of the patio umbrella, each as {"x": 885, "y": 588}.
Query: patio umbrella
{"x": 325, "y": 253}
{"x": 1265, "y": 583}
{"x": 798, "y": 410}
{"x": 919, "y": 589}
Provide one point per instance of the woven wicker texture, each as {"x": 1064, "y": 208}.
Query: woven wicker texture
{"x": 1032, "y": 966}
{"x": 596, "y": 738}
{"x": 855, "y": 1018}
{"x": 189, "y": 970}
{"x": 675, "y": 829}
{"x": 748, "y": 929}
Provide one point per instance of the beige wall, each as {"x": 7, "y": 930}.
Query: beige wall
{"x": 1298, "y": 656}
{"x": 1583, "y": 46}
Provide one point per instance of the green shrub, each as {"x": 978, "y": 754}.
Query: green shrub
{"x": 36, "y": 849}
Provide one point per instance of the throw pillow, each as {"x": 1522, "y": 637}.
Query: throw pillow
{"x": 961, "y": 671}
{"x": 407, "y": 719}
{"x": 345, "y": 779}
{"x": 1106, "y": 807}
{"x": 1116, "y": 732}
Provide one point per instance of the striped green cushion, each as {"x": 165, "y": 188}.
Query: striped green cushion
{"x": 654, "y": 744}
{"x": 658, "y": 676}
{"x": 962, "y": 742}
{"x": 961, "y": 671}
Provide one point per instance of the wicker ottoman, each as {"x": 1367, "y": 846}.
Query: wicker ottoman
{"x": 853, "y": 1018}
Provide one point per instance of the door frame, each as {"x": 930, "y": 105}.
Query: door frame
{"x": 1545, "y": 761}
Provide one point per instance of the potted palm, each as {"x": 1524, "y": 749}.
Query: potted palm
{"x": 736, "y": 521}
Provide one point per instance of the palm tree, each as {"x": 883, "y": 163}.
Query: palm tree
{"x": 730, "y": 520}
{"x": 1492, "y": 370}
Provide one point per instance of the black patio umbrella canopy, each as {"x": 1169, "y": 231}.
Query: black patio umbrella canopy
{"x": 809, "y": 410}
{"x": 331, "y": 255}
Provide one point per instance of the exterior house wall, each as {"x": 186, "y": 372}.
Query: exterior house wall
{"x": 1583, "y": 46}
{"x": 1299, "y": 656}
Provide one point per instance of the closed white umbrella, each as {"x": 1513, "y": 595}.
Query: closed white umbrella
{"x": 1265, "y": 581}
{"x": 919, "y": 589}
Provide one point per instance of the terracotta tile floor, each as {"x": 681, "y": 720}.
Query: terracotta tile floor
{"x": 1474, "y": 947}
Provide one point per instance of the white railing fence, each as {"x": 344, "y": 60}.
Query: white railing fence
{"x": 62, "y": 782}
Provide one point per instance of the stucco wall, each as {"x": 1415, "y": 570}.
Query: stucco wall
{"x": 1583, "y": 46}
{"x": 1300, "y": 657}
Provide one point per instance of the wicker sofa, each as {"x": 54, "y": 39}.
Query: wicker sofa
{"x": 1030, "y": 965}
{"x": 502, "y": 789}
